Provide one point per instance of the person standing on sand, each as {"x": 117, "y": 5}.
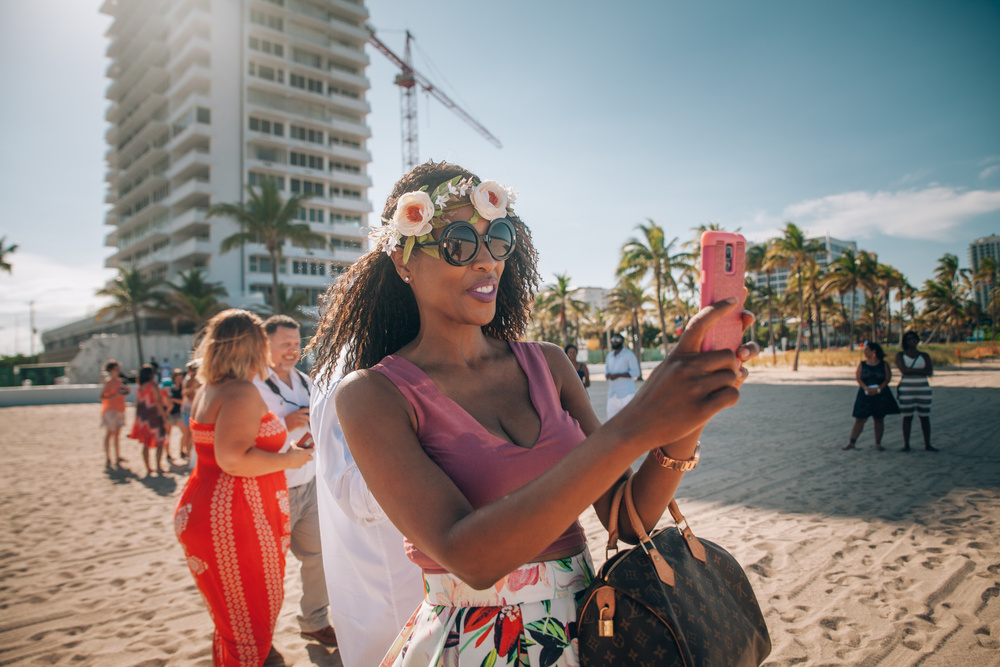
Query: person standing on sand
{"x": 914, "y": 389}
{"x": 286, "y": 392}
{"x": 620, "y": 370}
{"x": 113, "y": 395}
{"x": 482, "y": 449}
{"x": 367, "y": 572}
{"x": 874, "y": 398}
{"x": 232, "y": 515}
{"x": 150, "y": 417}
{"x": 581, "y": 368}
{"x": 189, "y": 387}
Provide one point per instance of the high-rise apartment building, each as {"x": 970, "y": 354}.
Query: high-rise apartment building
{"x": 832, "y": 249}
{"x": 208, "y": 96}
{"x": 988, "y": 246}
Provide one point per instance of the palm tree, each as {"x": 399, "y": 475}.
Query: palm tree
{"x": 4, "y": 251}
{"x": 793, "y": 251}
{"x": 193, "y": 299}
{"x": 558, "y": 300}
{"x": 756, "y": 260}
{"x": 652, "y": 255}
{"x": 269, "y": 220}
{"x": 868, "y": 274}
{"x": 986, "y": 276}
{"x": 291, "y": 304}
{"x": 130, "y": 293}
{"x": 626, "y": 303}
{"x": 844, "y": 276}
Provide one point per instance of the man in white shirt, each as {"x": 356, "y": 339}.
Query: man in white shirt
{"x": 286, "y": 392}
{"x": 375, "y": 585}
{"x": 621, "y": 369}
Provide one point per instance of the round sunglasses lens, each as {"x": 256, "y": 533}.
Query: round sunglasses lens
{"x": 459, "y": 244}
{"x": 501, "y": 235}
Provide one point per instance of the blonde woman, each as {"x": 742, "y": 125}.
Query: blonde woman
{"x": 232, "y": 516}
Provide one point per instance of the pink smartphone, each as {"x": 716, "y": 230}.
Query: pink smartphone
{"x": 723, "y": 259}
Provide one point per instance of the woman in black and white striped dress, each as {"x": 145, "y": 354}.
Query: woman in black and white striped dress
{"x": 914, "y": 389}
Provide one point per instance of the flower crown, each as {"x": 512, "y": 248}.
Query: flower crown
{"x": 417, "y": 213}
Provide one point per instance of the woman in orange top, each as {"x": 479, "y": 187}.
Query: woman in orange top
{"x": 113, "y": 395}
{"x": 232, "y": 516}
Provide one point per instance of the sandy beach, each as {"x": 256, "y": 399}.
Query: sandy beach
{"x": 857, "y": 558}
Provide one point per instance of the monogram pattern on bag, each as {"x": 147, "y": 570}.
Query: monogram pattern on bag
{"x": 709, "y": 617}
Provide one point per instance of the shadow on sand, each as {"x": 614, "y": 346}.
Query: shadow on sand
{"x": 774, "y": 457}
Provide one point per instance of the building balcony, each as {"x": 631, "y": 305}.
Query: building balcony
{"x": 197, "y": 160}
{"x": 153, "y": 108}
{"x": 352, "y": 180}
{"x": 195, "y": 21}
{"x": 349, "y": 153}
{"x": 193, "y": 193}
{"x": 195, "y": 79}
{"x": 193, "y": 222}
{"x": 192, "y": 251}
{"x": 141, "y": 161}
{"x": 347, "y": 255}
{"x": 354, "y": 9}
{"x": 350, "y": 128}
{"x": 345, "y": 229}
{"x": 195, "y": 48}
{"x": 349, "y": 54}
{"x": 193, "y": 136}
{"x": 349, "y": 205}
{"x": 351, "y": 80}
{"x": 138, "y": 79}
{"x": 350, "y": 104}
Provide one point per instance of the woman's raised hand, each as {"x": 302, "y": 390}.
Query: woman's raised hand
{"x": 690, "y": 386}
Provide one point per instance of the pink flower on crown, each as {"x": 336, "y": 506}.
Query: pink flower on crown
{"x": 490, "y": 200}
{"x": 413, "y": 214}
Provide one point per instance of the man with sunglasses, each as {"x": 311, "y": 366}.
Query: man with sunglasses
{"x": 286, "y": 392}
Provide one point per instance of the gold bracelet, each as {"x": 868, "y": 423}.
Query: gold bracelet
{"x": 675, "y": 464}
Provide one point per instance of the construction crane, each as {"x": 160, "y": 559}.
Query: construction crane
{"x": 408, "y": 79}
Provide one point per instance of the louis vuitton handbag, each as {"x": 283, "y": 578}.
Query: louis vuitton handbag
{"x": 671, "y": 600}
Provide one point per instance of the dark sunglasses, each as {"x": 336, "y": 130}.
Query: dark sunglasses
{"x": 459, "y": 242}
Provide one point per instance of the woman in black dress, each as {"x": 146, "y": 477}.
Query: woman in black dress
{"x": 874, "y": 399}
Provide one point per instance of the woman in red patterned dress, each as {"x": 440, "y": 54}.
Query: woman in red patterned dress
{"x": 232, "y": 516}
{"x": 150, "y": 418}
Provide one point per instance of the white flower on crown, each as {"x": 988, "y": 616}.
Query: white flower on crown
{"x": 413, "y": 215}
{"x": 386, "y": 237}
{"x": 490, "y": 200}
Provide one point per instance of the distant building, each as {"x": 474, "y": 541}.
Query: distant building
{"x": 988, "y": 246}
{"x": 832, "y": 249}
{"x": 595, "y": 297}
{"x": 207, "y": 96}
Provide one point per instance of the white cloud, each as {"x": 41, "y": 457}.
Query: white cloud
{"x": 929, "y": 213}
{"x": 60, "y": 293}
{"x": 989, "y": 171}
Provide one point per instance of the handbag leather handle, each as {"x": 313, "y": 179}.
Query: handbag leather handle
{"x": 663, "y": 569}
{"x": 616, "y": 502}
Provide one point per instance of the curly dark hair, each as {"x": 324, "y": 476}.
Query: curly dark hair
{"x": 369, "y": 312}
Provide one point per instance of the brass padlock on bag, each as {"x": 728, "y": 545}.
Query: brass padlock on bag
{"x": 606, "y": 603}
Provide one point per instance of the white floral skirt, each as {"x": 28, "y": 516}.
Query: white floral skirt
{"x": 527, "y": 619}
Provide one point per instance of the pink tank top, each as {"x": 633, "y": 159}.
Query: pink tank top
{"x": 483, "y": 466}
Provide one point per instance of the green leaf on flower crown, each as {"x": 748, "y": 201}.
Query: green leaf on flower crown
{"x": 491, "y": 659}
{"x": 408, "y": 248}
{"x": 433, "y": 252}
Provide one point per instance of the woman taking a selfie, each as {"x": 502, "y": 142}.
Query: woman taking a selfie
{"x": 484, "y": 450}
{"x": 232, "y": 516}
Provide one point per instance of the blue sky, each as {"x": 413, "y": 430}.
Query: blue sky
{"x": 872, "y": 121}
